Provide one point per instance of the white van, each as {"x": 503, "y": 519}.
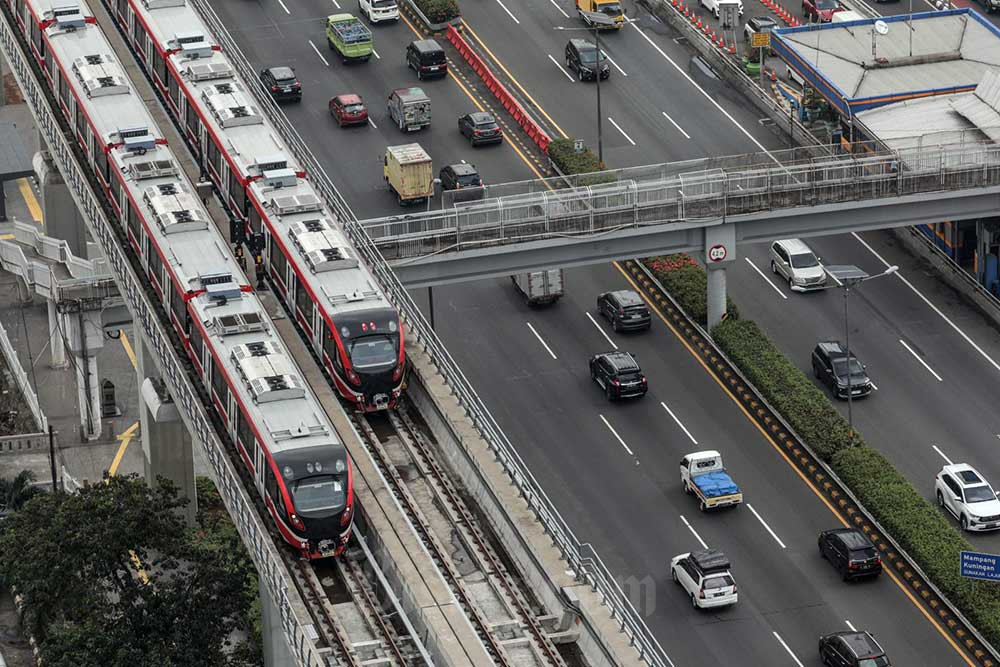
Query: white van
{"x": 379, "y": 10}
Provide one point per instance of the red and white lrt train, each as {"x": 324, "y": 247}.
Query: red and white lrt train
{"x": 349, "y": 322}
{"x": 299, "y": 466}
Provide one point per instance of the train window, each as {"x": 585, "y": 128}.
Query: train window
{"x": 179, "y": 308}
{"x": 155, "y": 266}
{"x": 271, "y": 486}
{"x": 139, "y": 34}
{"x": 219, "y": 386}
{"x": 159, "y": 67}
{"x": 253, "y": 218}
{"x": 101, "y": 158}
{"x": 197, "y": 345}
{"x": 303, "y": 302}
{"x": 214, "y": 157}
{"x": 48, "y": 62}
{"x": 36, "y": 37}
{"x": 174, "y": 91}
{"x": 330, "y": 346}
{"x": 116, "y": 191}
{"x": 81, "y": 124}
{"x": 279, "y": 264}
{"x": 244, "y": 433}
{"x": 134, "y": 226}
{"x": 237, "y": 194}
{"x": 64, "y": 92}
{"x": 20, "y": 9}
{"x": 123, "y": 10}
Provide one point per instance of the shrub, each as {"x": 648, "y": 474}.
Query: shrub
{"x": 438, "y": 11}
{"x": 686, "y": 281}
{"x": 784, "y": 386}
{"x": 565, "y": 157}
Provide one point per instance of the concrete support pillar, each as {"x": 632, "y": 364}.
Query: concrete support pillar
{"x": 57, "y": 346}
{"x": 59, "y": 214}
{"x": 716, "y": 293}
{"x": 88, "y": 396}
{"x": 85, "y": 338}
{"x": 276, "y": 650}
{"x": 166, "y": 443}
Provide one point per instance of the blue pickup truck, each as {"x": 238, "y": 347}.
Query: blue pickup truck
{"x": 704, "y": 476}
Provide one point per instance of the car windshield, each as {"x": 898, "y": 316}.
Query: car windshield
{"x": 805, "y": 260}
{"x": 979, "y": 494}
{"x": 354, "y": 108}
{"x": 373, "y": 351}
{"x": 469, "y": 179}
{"x": 384, "y": 4}
{"x": 315, "y": 494}
{"x": 863, "y": 554}
{"x": 612, "y": 9}
{"x": 723, "y": 581}
{"x": 827, "y": 4}
{"x": 840, "y": 367}
{"x": 880, "y": 661}
{"x": 589, "y": 56}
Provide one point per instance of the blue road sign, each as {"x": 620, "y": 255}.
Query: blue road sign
{"x": 980, "y": 566}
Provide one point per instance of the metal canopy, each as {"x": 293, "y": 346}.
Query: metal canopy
{"x": 15, "y": 161}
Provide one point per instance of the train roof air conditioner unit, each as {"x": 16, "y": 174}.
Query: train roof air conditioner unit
{"x": 276, "y": 388}
{"x": 192, "y": 45}
{"x": 68, "y": 16}
{"x": 100, "y": 75}
{"x": 301, "y": 203}
{"x": 209, "y": 71}
{"x": 136, "y": 138}
{"x": 152, "y": 169}
{"x": 280, "y": 178}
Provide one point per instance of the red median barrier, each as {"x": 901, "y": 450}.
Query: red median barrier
{"x": 527, "y": 123}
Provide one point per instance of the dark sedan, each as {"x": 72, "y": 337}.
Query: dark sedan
{"x": 282, "y": 83}
{"x": 480, "y": 128}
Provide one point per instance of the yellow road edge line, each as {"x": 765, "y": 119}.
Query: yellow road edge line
{"x": 29, "y": 198}
{"x": 126, "y": 438}
{"x": 480, "y": 107}
{"x": 123, "y": 337}
{"x": 516, "y": 82}
{"x": 802, "y": 475}
{"x": 6, "y": 237}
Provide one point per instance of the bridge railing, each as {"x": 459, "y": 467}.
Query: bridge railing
{"x": 582, "y": 558}
{"x": 709, "y": 193}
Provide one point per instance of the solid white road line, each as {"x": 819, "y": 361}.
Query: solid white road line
{"x": 285, "y": 8}
{"x": 619, "y": 128}
{"x": 617, "y": 437}
{"x": 946, "y": 459}
{"x": 764, "y": 276}
{"x": 763, "y": 523}
{"x": 693, "y": 532}
{"x": 928, "y": 302}
{"x": 559, "y": 8}
{"x": 376, "y": 54}
{"x": 372, "y": 123}
{"x": 508, "y": 12}
{"x": 674, "y": 123}
{"x": 778, "y": 637}
{"x": 683, "y": 428}
{"x": 336, "y": 4}
{"x": 608, "y": 58}
{"x": 560, "y": 68}
{"x": 544, "y": 344}
{"x": 704, "y": 93}
{"x": 850, "y": 625}
{"x": 922, "y": 362}
{"x": 318, "y": 53}
{"x": 603, "y": 333}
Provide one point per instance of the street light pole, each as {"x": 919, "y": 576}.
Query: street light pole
{"x": 600, "y": 118}
{"x": 850, "y": 392}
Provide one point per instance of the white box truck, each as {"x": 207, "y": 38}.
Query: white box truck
{"x": 540, "y": 288}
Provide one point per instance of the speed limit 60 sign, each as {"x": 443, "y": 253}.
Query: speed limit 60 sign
{"x": 717, "y": 253}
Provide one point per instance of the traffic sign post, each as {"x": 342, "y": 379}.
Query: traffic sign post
{"x": 974, "y": 565}
{"x": 760, "y": 40}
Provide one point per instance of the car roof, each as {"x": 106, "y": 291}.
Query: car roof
{"x": 621, "y": 360}
{"x": 965, "y": 474}
{"x": 852, "y": 538}
{"x": 348, "y": 98}
{"x": 582, "y": 44}
{"x": 281, "y": 72}
{"x": 862, "y": 644}
{"x": 463, "y": 169}
{"x": 627, "y": 297}
{"x": 710, "y": 560}
{"x": 763, "y": 20}
{"x": 427, "y": 45}
{"x": 482, "y": 117}
{"x": 834, "y": 348}
{"x": 794, "y": 246}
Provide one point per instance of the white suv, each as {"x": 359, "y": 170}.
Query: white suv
{"x": 794, "y": 261}
{"x": 379, "y": 10}
{"x": 706, "y": 578}
{"x": 961, "y": 490}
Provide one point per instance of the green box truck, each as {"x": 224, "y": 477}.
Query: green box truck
{"x": 349, "y": 37}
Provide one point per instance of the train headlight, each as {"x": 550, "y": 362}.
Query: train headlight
{"x": 354, "y": 378}
{"x": 345, "y": 518}
{"x": 398, "y": 373}
{"x": 296, "y": 521}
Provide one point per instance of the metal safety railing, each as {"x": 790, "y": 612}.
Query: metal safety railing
{"x": 717, "y": 189}
{"x": 22, "y": 380}
{"x": 581, "y": 557}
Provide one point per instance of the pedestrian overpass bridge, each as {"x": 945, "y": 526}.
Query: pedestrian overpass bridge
{"x": 686, "y": 207}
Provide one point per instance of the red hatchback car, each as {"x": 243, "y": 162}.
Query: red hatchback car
{"x": 348, "y": 110}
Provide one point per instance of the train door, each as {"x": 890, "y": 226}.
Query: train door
{"x": 259, "y": 464}
{"x": 319, "y": 328}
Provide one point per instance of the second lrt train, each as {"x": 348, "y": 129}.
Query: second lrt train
{"x": 351, "y": 325}
{"x": 298, "y": 465}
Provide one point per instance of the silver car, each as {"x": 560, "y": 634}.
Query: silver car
{"x": 794, "y": 261}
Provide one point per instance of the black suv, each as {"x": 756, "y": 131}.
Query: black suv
{"x": 480, "y": 128}
{"x": 850, "y": 552}
{"x": 619, "y": 375}
{"x": 581, "y": 57}
{"x": 624, "y": 309}
{"x": 830, "y": 364}
{"x": 426, "y": 58}
{"x": 851, "y": 649}
{"x": 282, "y": 83}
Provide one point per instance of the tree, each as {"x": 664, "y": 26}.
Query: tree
{"x": 14, "y": 493}
{"x": 112, "y": 577}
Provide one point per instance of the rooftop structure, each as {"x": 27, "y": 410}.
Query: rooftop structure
{"x": 855, "y": 67}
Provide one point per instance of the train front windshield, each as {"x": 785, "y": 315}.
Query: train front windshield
{"x": 319, "y": 494}
{"x": 374, "y": 351}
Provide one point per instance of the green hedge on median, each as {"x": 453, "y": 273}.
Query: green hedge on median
{"x": 564, "y": 156}
{"x": 438, "y": 11}
{"x": 686, "y": 281}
